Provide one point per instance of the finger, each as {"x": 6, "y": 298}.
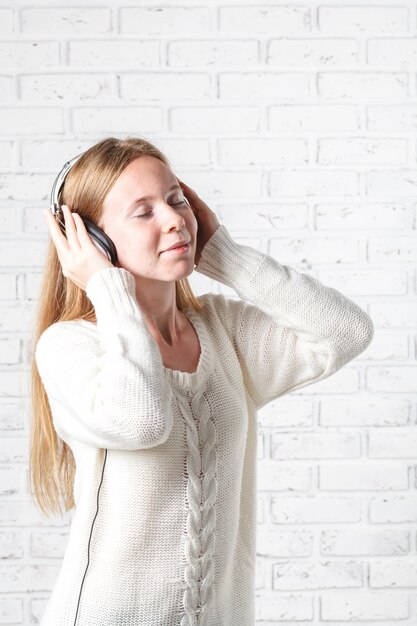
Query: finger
{"x": 183, "y": 184}
{"x": 57, "y": 236}
{"x": 83, "y": 236}
{"x": 70, "y": 228}
{"x": 52, "y": 218}
{"x": 189, "y": 190}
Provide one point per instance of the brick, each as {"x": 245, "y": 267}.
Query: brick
{"x": 224, "y": 119}
{"x": 264, "y": 216}
{"x": 281, "y": 86}
{"x": 24, "y": 578}
{"x": 9, "y": 481}
{"x": 284, "y": 413}
{"x": 401, "y": 314}
{"x": 20, "y": 187}
{"x": 8, "y": 221}
{"x": 391, "y": 183}
{"x": 363, "y": 476}
{"x": 9, "y": 355}
{"x": 387, "y": 345}
{"x": 226, "y": 184}
{"x": 11, "y": 417}
{"x": 160, "y": 20}
{"x": 364, "y": 605}
{"x": 251, "y": 151}
{"x": 155, "y": 85}
{"x": 44, "y": 88}
{"x": 392, "y": 445}
{"x": 33, "y": 283}
{"x": 6, "y": 21}
{"x": 30, "y": 120}
{"x": 312, "y": 117}
{"x": 11, "y": 545}
{"x": 23, "y": 513}
{"x": 395, "y": 573}
{"x": 282, "y": 543}
{"x": 37, "y": 607}
{"x": 114, "y": 53}
{"x": 397, "y": 52}
{"x": 315, "y": 509}
{"x": 49, "y": 153}
{"x": 363, "y": 19}
{"x": 8, "y": 289}
{"x": 393, "y": 509}
{"x": 184, "y": 151}
{"x": 65, "y": 21}
{"x": 312, "y": 52}
{"x": 6, "y": 89}
{"x": 397, "y": 117}
{"x": 279, "y": 20}
{"x": 392, "y": 379}
{"x": 13, "y": 319}
{"x": 48, "y": 544}
{"x": 380, "y": 410}
{"x": 113, "y": 120}
{"x": 314, "y": 183}
{"x": 283, "y": 607}
{"x": 213, "y": 53}
{"x": 364, "y": 542}
{"x": 28, "y": 55}
{"x": 396, "y": 250}
{"x": 363, "y": 86}
{"x": 6, "y": 156}
{"x": 12, "y": 610}
{"x": 316, "y": 575}
{"x": 361, "y": 216}
{"x": 358, "y": 150}
{"x": 314, "y": 445}
{"x": 278, "y": 477}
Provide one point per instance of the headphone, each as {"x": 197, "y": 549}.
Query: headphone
{"x": 98, "y": 236}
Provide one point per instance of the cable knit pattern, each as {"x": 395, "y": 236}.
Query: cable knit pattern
{"x": 163, "y": 531}
{"x": 201, "y": 519}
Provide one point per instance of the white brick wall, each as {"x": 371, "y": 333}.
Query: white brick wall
{"x": 297, "y": 123}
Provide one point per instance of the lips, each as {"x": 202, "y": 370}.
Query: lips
{"x": 178, "y": 244}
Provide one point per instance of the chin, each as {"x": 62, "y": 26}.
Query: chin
{"x": 183, "y": 274}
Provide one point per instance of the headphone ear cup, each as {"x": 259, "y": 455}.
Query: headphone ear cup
{"x": 101, "y": 240}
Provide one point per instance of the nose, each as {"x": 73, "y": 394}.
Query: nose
{"x": 172, "y": 218}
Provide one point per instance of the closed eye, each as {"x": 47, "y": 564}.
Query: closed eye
{"x": 149, "y": 212}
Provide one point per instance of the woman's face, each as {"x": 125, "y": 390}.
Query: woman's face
{"x": 142, "y": 230}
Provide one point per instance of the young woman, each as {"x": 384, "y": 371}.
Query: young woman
{"x": 145, "y": 397}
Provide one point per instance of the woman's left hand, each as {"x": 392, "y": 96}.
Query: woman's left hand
{"x": 206, "y": 219}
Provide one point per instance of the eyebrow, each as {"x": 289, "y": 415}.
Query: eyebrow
{"x": 175, "y": 186}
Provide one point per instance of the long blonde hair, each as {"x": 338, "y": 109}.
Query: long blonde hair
{"x": 51, "y": 462}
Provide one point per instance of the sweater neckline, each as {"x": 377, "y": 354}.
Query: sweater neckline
{"x": 191, "y": 380}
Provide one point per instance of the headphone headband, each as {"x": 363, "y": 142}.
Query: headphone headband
{"x": 58, "y": 183}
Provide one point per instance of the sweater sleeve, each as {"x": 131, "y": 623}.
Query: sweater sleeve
{"x": 294, "y": 331}
{"x": 105, "y": 384}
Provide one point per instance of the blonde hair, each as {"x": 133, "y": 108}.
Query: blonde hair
{"x": 51, "y": 462}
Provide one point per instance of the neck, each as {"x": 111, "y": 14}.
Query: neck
{"x": 157, "y": 300}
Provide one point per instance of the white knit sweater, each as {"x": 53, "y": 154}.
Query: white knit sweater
{"x": 163, "y": 532}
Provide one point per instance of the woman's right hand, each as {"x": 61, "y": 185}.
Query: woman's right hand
{"x": 78, "y": 255}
